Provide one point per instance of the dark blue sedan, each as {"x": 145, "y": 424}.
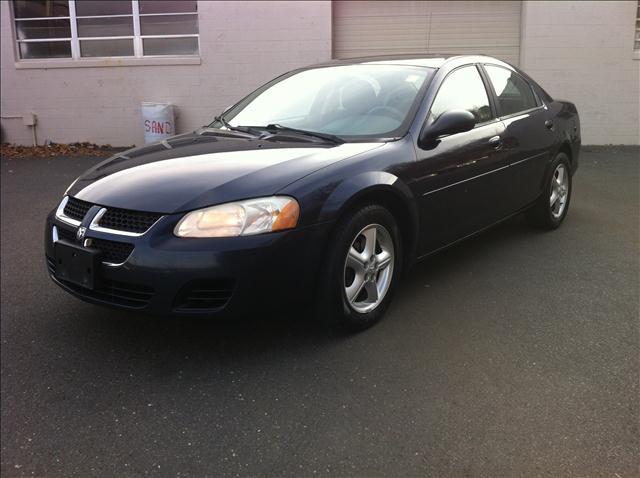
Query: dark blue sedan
{"x": 317, "y": 190}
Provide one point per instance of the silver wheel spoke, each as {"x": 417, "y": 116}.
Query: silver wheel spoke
{"x": 355, "y": 260}
{"x": 355, "y": 288}
{"x": 384, "y": 259}
{"x": 372, "y": 291}
{"x": 370, "y": 236}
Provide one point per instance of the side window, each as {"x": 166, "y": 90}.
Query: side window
{"x": 462, "y": 90}
{"x": 513, "y": 92}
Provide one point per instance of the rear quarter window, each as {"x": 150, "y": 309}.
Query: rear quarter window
{"x": 514, "y": 94}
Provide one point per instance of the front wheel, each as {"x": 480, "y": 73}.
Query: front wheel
{"x": 362, "y": 268}
{"x": 551, "y": 208}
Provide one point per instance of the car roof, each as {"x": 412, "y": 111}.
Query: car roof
{"x": 431, "y": 60}
{"x": 436, "y": 61}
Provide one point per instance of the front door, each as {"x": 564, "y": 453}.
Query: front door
{"x": 461, "y": 179}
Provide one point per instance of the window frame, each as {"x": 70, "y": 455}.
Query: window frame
{"x": 636, "y": 38}
{"x": 76, "y": 58}
{"x": 636, "y": 34}
{"x": 494, "y": 96}
{"x": 489, "y": 93}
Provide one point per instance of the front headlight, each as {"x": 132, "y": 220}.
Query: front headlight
{"x": 242, "y": 218}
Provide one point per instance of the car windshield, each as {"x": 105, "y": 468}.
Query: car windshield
{"x": 351, "y": 101}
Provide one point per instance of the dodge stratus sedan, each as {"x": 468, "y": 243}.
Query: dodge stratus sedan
{"x": 317, "y": 190}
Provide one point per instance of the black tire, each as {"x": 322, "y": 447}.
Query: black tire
{"x": 332, "y": 306}
{"x": 541, "y": 214}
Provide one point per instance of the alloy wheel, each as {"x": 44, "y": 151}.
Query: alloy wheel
{"x": 368, "y": 268}
{"x": 559, "y": 190}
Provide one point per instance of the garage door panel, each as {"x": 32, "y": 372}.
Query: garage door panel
{"x": 363, "y": 28}
{"x": 378, "y": 8}
{"x": 469, "y": 6}
{"x": 368, "y": 22}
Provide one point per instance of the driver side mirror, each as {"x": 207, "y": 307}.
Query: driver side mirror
{"x": 449, "y": 122}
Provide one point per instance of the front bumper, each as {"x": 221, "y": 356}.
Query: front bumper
{"x": 165, "y": 274}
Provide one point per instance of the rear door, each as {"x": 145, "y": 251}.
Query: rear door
{"x": 461, "y": 179}
{"x": 528, "y": 136}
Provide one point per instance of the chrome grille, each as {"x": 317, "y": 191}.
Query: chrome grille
{"x": 72, "y": 211}
{"x": 113, "y": 252}
{"x": 129, "y": 221}
{"x": 76, "y": 209}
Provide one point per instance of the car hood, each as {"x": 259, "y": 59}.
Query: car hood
{"x": 192, "y": 171}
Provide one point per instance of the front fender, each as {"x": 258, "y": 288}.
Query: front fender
{"x": 367, "y": 184}
{"x": 384, "y": 188}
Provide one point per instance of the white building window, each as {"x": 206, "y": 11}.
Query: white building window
{"x": 77, "y": 29}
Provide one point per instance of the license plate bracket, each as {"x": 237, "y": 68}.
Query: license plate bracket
{"x": 77, "y": 264}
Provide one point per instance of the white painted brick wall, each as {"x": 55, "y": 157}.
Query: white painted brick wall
{"x": 242, "y": 45}
{"x": 583, "y": 51}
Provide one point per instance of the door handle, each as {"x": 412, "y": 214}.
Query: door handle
{"x": 548, "y": 124}
{"x": 496, "y": 142}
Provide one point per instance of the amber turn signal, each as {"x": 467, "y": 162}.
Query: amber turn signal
{"x": 288, "y": 216}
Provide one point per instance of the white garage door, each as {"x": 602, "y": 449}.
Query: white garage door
{"x": 364, "y": 28}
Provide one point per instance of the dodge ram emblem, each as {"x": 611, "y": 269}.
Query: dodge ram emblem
{"x": 81, "y": 232}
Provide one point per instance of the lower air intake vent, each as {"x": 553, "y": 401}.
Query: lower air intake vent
{"x": 67, "y": 234}
{"x": 119, "y": 293}
{"x": 113, "y": 252}
{"x": 204, "y": 295}
{"x": 51, "y": 265}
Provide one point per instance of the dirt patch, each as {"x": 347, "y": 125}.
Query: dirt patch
{"x": 55, "y": 149}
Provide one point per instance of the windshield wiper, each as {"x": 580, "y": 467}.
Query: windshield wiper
{"x": 208, "y": 130}
{"x": 285, "y": 129}
{"x": 241, "y": 129}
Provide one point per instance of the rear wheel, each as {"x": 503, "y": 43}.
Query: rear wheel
{"x": 551, "y": 208}
{"x": 362, "y": 267}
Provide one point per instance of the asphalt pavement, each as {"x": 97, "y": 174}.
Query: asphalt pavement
{"x": 515, "y": 353}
